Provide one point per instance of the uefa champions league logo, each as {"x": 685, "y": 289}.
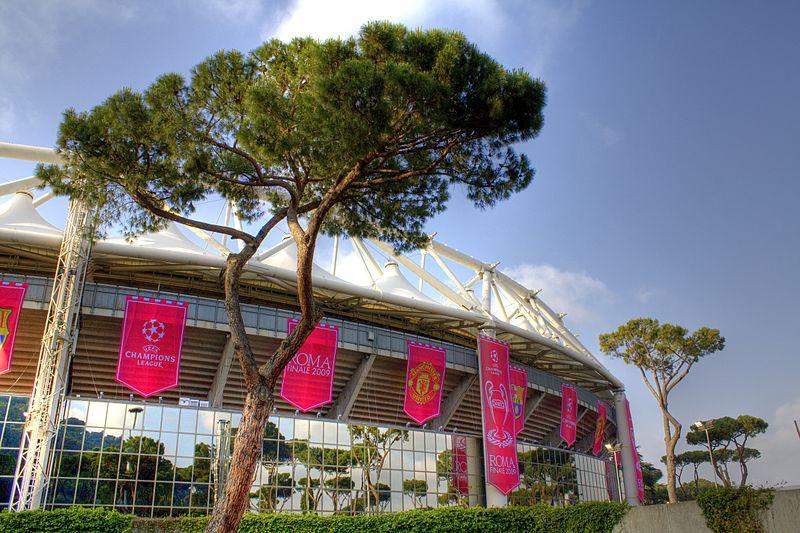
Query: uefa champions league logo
{"x": 497, "y": 400}
{"x": 153, "y": 330}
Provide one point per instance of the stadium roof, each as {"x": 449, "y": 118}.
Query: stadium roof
{"x": 447, "y": 307}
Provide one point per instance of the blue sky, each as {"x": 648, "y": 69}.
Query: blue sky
{"x": 667, "y": 167}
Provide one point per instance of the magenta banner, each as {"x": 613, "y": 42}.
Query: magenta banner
{"x": 637, "y": 464}
{"x": 460, "y": 473}
{"x": 569, "y": 413}
{"x": 599, "y": 429}
{"x": 499, "y": 440}
{"x": 11, "y": 296}
{"x": 424, "y": 380}
{"x": 519, "y": 390}
{"x": 308, "y": 377}
{"x": 150, "y": 348}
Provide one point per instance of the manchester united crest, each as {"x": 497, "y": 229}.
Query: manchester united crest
{"x": 424, "y": 382}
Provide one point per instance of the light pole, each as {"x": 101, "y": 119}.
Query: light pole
{"x": 708, "y": 424}
{"x": 614, "y": 450}
{"x": 135, "y": 410}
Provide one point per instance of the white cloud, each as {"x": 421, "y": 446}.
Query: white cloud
{"x": 647, "y": 295}
{"x": 6, "y": 117}
{"x": 323, "y": 19}
{"x": 779, "y": 447}
{"x": 233, "y": 10}
{"x": 537, "y": 25}
{"x": 576, "y": 293}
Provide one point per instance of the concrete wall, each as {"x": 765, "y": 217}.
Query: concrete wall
{"x": 782, "y": 517}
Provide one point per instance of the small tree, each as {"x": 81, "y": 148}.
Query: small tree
{"x": 651, "y": 475}
{"x": 369, "y": 449}
{"x": 664, "y": 355}
{"x": 693, "y": 458}
{"x": 416, "y": 489}
{"x": 729, "y": 438}
{"x": 364, "y": 136}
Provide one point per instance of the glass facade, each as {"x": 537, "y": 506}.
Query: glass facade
{"x": 12, "y": 409}
{"x": 558, "y": 477}
{"x": 164, "y": 460}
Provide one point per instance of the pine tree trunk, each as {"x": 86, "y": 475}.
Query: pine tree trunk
{"x": 230, "y": 508}
{"x": 670, "y": 440}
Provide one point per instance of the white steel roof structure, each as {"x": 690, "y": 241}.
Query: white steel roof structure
{"x": 444, "y": 303}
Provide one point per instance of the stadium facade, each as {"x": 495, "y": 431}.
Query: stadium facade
{"x": 70, "y": 434}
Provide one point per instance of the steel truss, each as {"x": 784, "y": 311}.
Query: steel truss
{"x": 57, "y": 349}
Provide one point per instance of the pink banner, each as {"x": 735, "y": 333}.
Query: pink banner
{"x": 150, "y": 349}
{"x": 11, "y": 296}
{"x": 519, "y": 390}
{"x": 460, "y": 473}
{"x": 599, "y": 429}
{"x": 308, "y": 377}
{"x": 424, "y": 381}
{"x": 637, "y": 464}
{"x": 569, "y": 413}
{"x": 499, "y": 440}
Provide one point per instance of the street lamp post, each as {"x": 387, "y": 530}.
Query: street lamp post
{"x": 135, "y": 410}
{"x": 614, "y": 450}
{"x": 706, "y": 426}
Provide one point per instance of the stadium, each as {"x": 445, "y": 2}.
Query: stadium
{"x": 71, "y": 434}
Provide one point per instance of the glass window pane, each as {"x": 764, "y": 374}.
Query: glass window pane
{"x": 152, "y": 418}
{"x": 169, "y": 419}
{"x": 97, "y": 414}
{"x": 188, "y": 421}
{"x": 205, "y": 422}
{"x": 115, "y": 417}
{"x": 12, "y": 435}
{"x": 16, "y": 412}
{"x": 186, "y": 445}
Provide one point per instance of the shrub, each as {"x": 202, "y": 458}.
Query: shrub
{"x": 73, "y": 520}
{"x": 735, "y": 509}
{"x": 585, "y": 517}
{"x": 596, "y": 517}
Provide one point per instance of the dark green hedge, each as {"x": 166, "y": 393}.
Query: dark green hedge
{"x": 74, "y": 520}
{"x": 581, "y": 518}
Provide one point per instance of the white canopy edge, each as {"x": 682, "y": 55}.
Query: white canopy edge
{"x": 571, "y": 348}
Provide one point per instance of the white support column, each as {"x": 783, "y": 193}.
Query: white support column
{"x": 347, "y": 398}
{"x": 217, "y": 390}
{"x": 486, "y": 292}
{"x": 335, "y": 257}
{"x": 434, "y": 282}
{"x": 623, "y": 435}
{"x": 422, "y": 258}
{"x": 449, "y": 273}
{"x": 228, "y": 211}
{"x": 364, "y": 256}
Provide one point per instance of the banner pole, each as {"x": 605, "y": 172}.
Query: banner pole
{"x": 494, "y": 498}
